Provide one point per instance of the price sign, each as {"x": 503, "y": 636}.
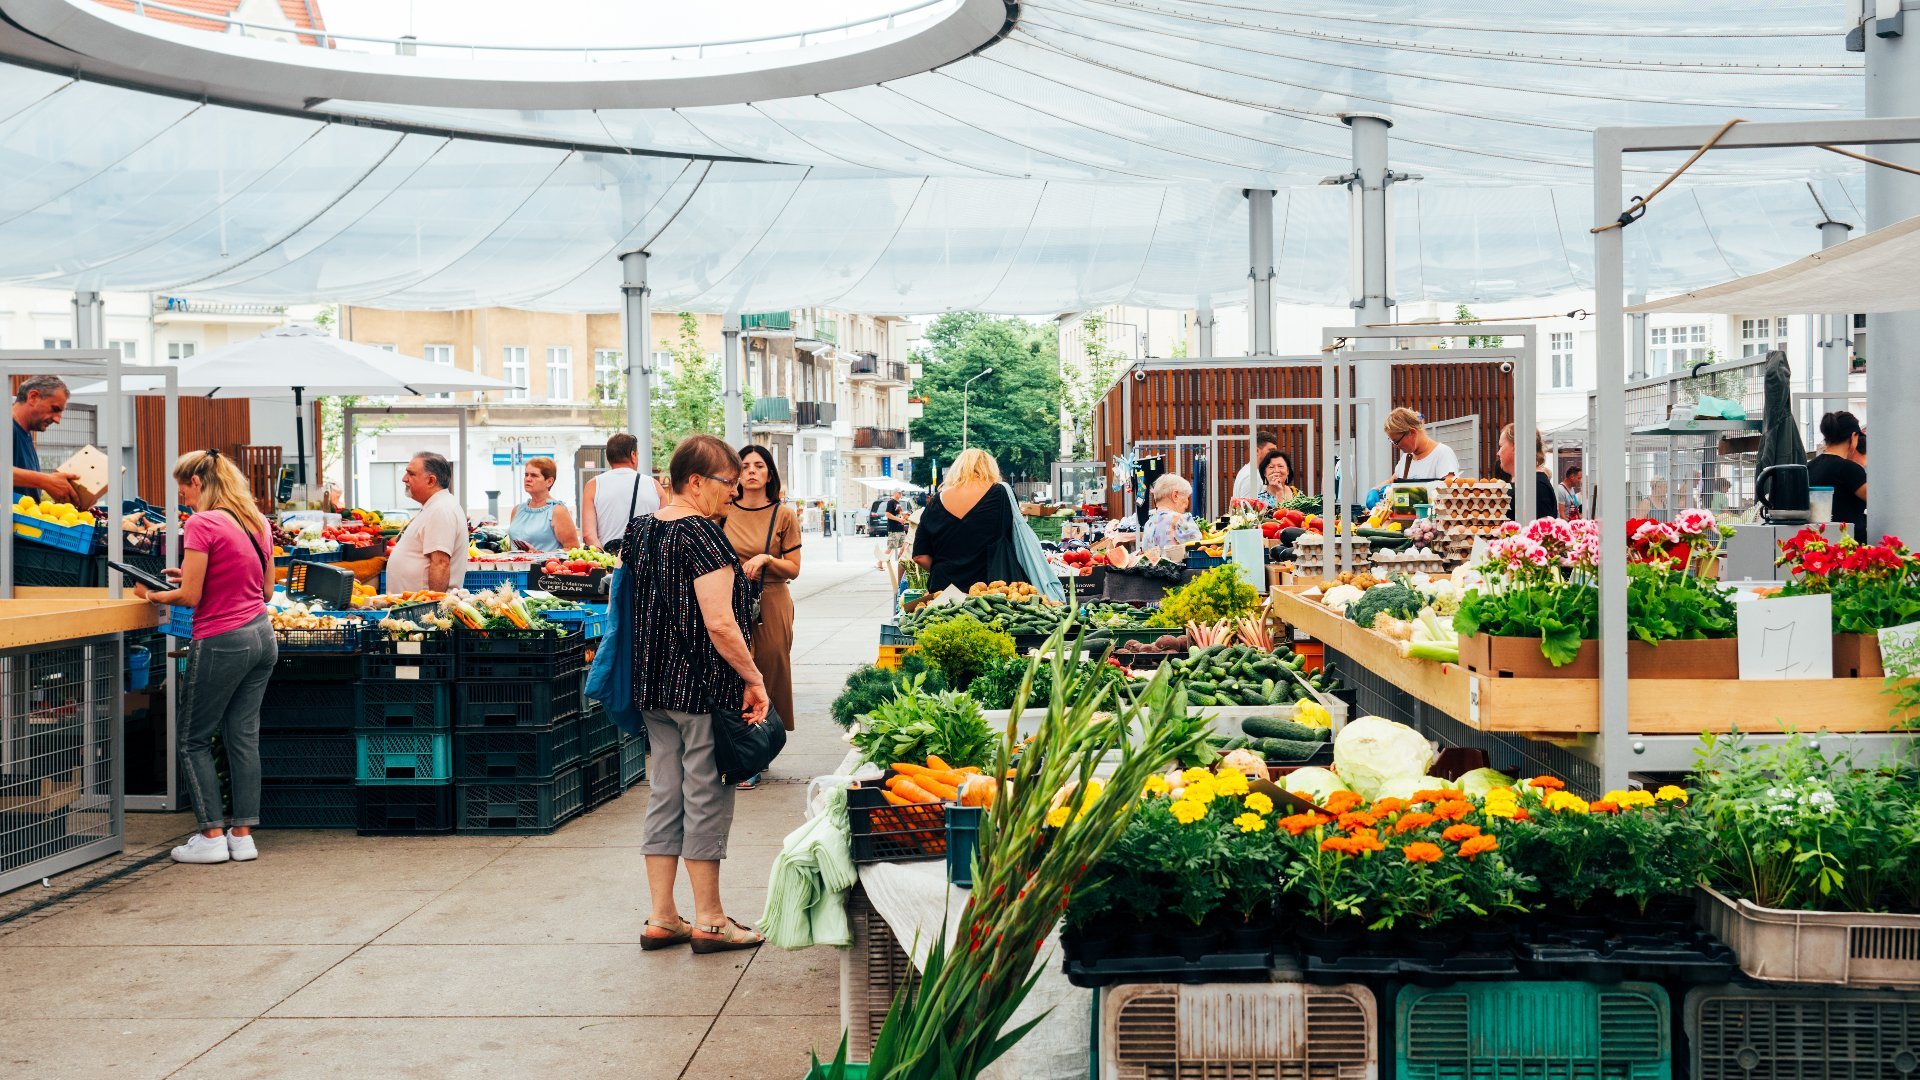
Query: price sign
{"x": 1786, "y": 637}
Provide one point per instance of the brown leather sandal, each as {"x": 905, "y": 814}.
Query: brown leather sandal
{"x": 677, "y": 935}
{"x": 731, "y": 942}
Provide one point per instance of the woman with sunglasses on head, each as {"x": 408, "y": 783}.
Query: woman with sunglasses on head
{"x": 692, "y": 614}
{"x": 1420, "y": 455}
{"x": 766, "y": 537}
{"x": 224, "y": 578}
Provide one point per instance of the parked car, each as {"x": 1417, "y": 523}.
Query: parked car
{"x": 877, "y": 518}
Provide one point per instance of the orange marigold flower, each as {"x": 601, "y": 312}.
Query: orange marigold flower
{"x": 1435, "y": 795}
{"x": 1346, "y": 845}
{"x": 1604, "y": 806}
{"x": 1383, "y": 807}
{"x": 1452, "y": 809}
{"x": 1357, "y": 819}
{"x": 1422, "y": 852}
{"x": 1367, "y": 840}
{"x": 1410, "y": 822}
{"x": 1457, "y": 833}
{"x": 1548, "y": 783}
{"x": 1522, "y": 815}
{"x": 1296, "y": 824}
{"x": 1342, "y": 801}
{"x": 1478, "y": 845}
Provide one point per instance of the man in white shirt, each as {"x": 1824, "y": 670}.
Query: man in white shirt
{"x": 432, "y": 552}
{"x": 1569, "y": 493}
{"x": 1248, "y": 483}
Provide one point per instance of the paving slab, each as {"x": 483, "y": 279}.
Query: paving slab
{"x": 157, "y": 981}
{"x": 188, "y": 908}
{"x": 91, "y": 1049}
{"x": 764, "y": 1047}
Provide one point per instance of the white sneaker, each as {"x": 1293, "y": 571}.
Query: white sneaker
{"x": 241, "y": 848}
{"x": 201, "y": 848}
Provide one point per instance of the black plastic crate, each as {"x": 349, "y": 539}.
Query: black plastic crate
{"x": 36, "y": 564}
{"x": 1748, "y": 1032}
{"x": 537, "y": 703}
{"x": 306, "y": 757}
{"x": 600, "y": 779}
{"x": 308, "y": 806}
{"x": 307, "y": 706}
{"x": 597, "y": 731}
{"x": 886, "y": 833}
{"x": 424, "y": 657}
{"x": 633, "y": 760}
{"x": 399, "y": 705}
{"x": 540, "y": 654}
{"x": 317, "y": 667}
{"x": 404, "y": 809}
{"x": 342, "y": 639}
{"x": 519, "y": 808}
{"x": 516, "y": 753}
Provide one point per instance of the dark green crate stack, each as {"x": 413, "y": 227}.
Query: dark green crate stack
{"x": 1497, "y": 1030}
{"x": 519, "y": 732}
{"x": 403, "y": 735}
{"x": 306, "y": 743}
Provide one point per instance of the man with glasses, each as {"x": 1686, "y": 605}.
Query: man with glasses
{"x": 432, "y": 552}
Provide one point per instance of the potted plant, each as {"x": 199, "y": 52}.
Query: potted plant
{"x": 1537, "y": 605}
{"x": 1682, "y": 622}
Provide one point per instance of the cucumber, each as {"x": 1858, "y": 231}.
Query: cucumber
{"x": 1274, "y": 727}
{"x": 1230, "y": 745}
{"x": 1286, "y": 749}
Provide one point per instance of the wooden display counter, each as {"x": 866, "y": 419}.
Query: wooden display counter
{"x": 39, "y": 616}
{"x": 1551, "y": 708}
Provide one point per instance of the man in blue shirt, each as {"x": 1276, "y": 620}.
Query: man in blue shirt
{"x": 38, "y": 405}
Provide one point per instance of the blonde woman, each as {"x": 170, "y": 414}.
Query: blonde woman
{"x": 1422, "y": 457}
{"x": 225, "y": 578}
{"x": 968, "y": 527}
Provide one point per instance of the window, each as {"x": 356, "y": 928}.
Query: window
{"x": 180, "y": 350}
{"x": 129, "y": 350}
{"x": 1675, "y": 348}
{"x": 56, "y": 343}
{"x": 387, "y": 347}
{"x": 606, "y": 372}
{"x": 560, "y": 373}
{"x": 1759, "y": 335}
{"x": 513, "y": 368}
{"x": 662, "y": 362}
{"x": 438, "y": 354}
{"x": 1560, "y": 356}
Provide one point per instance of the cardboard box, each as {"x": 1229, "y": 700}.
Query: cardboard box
{"x": 90, "y": 465}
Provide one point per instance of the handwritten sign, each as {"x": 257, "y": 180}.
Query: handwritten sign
{"x": 1786, "y": 637}
{"x": 1248, "y": 550}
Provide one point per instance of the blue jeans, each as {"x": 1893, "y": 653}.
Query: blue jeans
{"x": 226, "y": 678}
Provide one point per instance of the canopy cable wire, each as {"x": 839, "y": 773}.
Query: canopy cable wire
{"x": 1869, "y": 160}
{"x": 1639, "y": 207}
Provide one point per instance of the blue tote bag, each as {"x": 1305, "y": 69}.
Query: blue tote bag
{"x": 1033, "y": 558}
{"x": 610, "y": 679}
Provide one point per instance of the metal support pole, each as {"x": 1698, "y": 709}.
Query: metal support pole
{"x": 1835, "y": 329}
{"x": 1260, "y": 272}
{"x": 1610, "y": 499}
{"x": 1204, "y": 324}
{"x": 1637, "y": 340}
{"x": 734, "y": 405}
{"x": 1893, "y": 86}
{"x": 638, "y": 324}
{"x": 1370, "y": 261}
{"x": 89, "y": 321}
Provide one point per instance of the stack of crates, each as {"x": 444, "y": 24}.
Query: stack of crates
{"x": 633, "y": 759}
{"x": 599, "y": 756}
{"x": 519, "y": 730}
{"x": 307, "y": 742}
{"x": 403, "y": 734}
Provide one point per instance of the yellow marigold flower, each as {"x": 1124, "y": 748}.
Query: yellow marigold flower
{"x": 1186, "y": 811}
{"x": 1501, "y": 810}
{"x": 1094, "y": 788}
{"x": 1156, "y": 785}
{"x": 1615, "y": 796}
{"x": 1501, "y": 794}
{"x": 1230, "y": 782}
{"x": 1669, "y": 793}
{"x": 1259, "y": 803}
{"x": 1635, "y": 798}
{"x": 1195, "y": 775}
{"x": 1566, "y": 801}
{"x": 1201, "y": 791}
{"x": 1250, "y": 822}
{"x": 1057, "y": 817}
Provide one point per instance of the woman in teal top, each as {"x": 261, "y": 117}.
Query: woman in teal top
{"x": 542, "y": 523}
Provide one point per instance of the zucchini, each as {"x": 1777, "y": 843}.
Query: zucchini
{"x": 1274, "y": 727}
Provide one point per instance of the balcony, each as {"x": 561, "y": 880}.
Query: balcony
{"x": 812, "y": 414}
{"x": 879, "y": 438}
{"x": 821, "y": 329}
{"x": 883, "y": 372}
{"x": 770, "y": 411}
{"x": 767, "y": 320}
{"x": 179, "y": 309}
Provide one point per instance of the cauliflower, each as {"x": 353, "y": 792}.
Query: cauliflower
{"x": 1340, "y": 596}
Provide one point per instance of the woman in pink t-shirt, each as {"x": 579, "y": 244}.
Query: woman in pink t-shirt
{"x": 226, "y": 579}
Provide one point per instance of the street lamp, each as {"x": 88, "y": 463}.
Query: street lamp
{"x": 965, "y": 389}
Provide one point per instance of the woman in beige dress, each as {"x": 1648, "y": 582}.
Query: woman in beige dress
{"x": 765, "y": 533}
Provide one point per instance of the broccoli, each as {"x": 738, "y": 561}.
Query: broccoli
{"x": 1398, "y": 600}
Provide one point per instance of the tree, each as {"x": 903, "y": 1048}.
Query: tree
{"x": 686, "y": 399}
{"x": 1086, "y": 382}
{"x": 1013, "y": 414}
{"x": 1468, "y": 318}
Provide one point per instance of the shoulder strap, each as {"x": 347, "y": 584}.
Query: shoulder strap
{"x": 265, "y": 572}
{"x": 633, "y": 500}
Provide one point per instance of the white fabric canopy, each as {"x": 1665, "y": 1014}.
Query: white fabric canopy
{"x": 1871, "y": 274}
{"x": 1096, "y": 153}
{"x": 317, "y": 364}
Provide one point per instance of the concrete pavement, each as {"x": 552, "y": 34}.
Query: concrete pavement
{"x": 484, "y": 957}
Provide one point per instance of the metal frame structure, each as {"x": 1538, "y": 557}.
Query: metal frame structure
{"x": 1616, "y": 750}
{"x": 346, "y": 437}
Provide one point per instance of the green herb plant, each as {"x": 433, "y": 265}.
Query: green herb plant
{"x": 1215, "y": 595}
{"x": 871, "y": 685}
{"x": 915, "y": 725}
{"x": 962, "y": 648}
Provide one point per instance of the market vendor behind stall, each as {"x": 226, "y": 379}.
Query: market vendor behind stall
{"x": 1544, "y": 503}
{"x": 432, "y": 552}
{"x": 38, "y": 405}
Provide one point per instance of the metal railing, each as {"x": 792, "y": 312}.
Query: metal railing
{"x": 771, "y": 410}
{"x": 879, "y": 438}
{"x": 179, "y": 305}
{"x": 410, "y": 46}
{"x": 1691, "y": 466}
{"x": 816, "y": 413}
{"x": 884, "y": 370}
{"x": 767, "y": 320}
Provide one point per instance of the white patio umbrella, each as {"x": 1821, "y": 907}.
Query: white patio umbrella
{"x": 306, "y": 360}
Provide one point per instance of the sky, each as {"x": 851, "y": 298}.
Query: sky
{"x": 590, "y": 22}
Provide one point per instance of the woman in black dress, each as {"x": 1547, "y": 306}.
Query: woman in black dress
{"x": 968, "y": 527}
{"x": 1842, "y": 465}
{"x": 1544, "y": 503}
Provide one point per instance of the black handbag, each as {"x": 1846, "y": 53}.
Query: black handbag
{"x": 743, "y": 750}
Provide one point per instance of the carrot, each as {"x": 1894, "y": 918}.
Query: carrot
{"x": 934, "y": 763}
{"x": 908, "y": 768}
{"x": 895, "y": 800}
{"x": 911, "y": 791}
{"x": 970, "y": 770}
{"x": 948, "y": 792}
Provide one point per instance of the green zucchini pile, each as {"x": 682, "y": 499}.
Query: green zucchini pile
{"x": 1019, "y": 618}
{"x": 1279, "y": 739}
{"x": 1241, "y": 675}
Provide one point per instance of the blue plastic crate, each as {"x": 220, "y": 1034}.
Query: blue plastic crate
{"x": 397, "y": 705}
{"x": 343, "y": 639}
{"x": 306, "y": 556}
{"x": 403, "y": 757}
{"x": 591, "y": 620}
{"x": 179, "y": 622}
{"x": 597, "y": 732}
{"x": 963, "y": 839}
{"x": 307, "y": 806}
{"x": 1496, "y": 1030}
{"x": 81, "y": 539}
{"x": 482, "y": 580}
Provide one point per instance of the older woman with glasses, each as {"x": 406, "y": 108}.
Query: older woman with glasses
{"x": 1421, "y": 456}
{"x": 691, "y": 619}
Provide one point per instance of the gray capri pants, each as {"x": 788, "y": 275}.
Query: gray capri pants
{"x": 689, "y": 811}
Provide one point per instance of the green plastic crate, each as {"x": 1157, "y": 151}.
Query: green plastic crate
{"x": 1496, "y": 1031}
